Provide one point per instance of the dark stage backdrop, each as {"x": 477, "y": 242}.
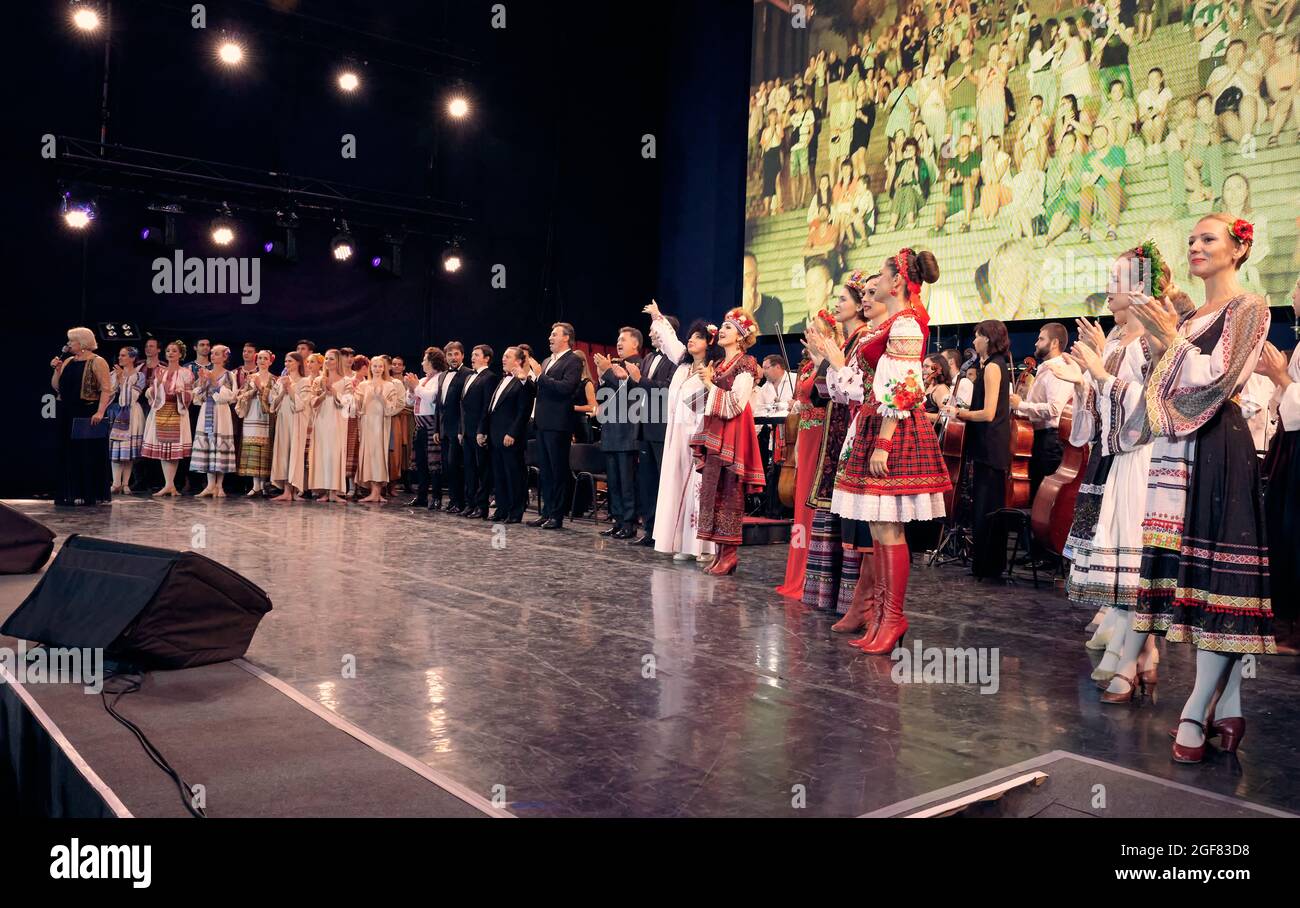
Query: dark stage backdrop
{"x": 550, "y": 166}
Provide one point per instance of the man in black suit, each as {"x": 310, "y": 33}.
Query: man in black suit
{"x": 619, "y": 430}
{"x": 474, "y": 400}
{"x": 448, "y": 427}
{"x": 557, "y": 384}
{"x": 505, "y": 430}
{"x": 652, "y": 380}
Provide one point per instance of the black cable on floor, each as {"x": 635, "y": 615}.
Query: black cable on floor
{"x": 133, "y": 681}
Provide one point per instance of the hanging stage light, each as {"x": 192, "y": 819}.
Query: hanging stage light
{"x": 77, "y": 213}
{"x": 85, "y": 16}
{"x": 458, "y": 107}
{"x": 159, "y": 226}
{"x": 230, "y": 50}
{"x": 388, "y": 259}
{"x": 452, "y": 259}
{"x": 342, "y": 246}
{"x": 283, "y": 242}
{"x": 222, "y": 228}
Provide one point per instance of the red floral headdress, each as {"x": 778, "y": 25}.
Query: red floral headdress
{"x": 1242, "y": 230}
{"x": 826, "y": 317}
{"x": 858, "y": 281}
{"x": 713, "y": 332}
{"x": 900, "y": 263}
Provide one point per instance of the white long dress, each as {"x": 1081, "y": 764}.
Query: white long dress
{"x": 1104, "y": 569}
{"x": 677, "y": 506}
{"x": 292, "y": 423}
{"x": 329, "y": 440}
{"x": 377, "y": 402}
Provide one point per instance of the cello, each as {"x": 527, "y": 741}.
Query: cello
{"x": 1022, "y": 451}
{"x": 1053, "y": 511}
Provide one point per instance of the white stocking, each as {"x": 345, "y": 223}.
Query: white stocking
{"x": 1210, "y": 669}
{"x": 117, "y": 474}
{"x": 1118, "y": 631}
{"x": 1126, "y": 667}
{"x": 1105, "y": 629}
{"x": 127, "y": 466}
{"x": 1229, "y": 706}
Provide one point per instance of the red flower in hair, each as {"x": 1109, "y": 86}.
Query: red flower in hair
{"x": 1243, "y": 230}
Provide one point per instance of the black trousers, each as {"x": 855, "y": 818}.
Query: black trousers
{"x": 620, "y": 476}
{"x": 453, "y": 471}
{"x": 422, "y": 473}
{"x": 648, "y": 466}
{"x": 553, "y": 465}
{"x": 478, "y": 473}
{"x": 988, "y": 488}
{"x": 510, "y": 480}
{"x": 1045, "y": 460}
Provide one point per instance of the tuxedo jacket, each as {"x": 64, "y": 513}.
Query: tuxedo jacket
{"x": 657, "y": 373}
{"x": 474, "y": 400}
{"x": 448, "y": 411}
{"x": 510, "y": 414}
{"x": 557, "y": 392}
{"x": 613, "y": 408}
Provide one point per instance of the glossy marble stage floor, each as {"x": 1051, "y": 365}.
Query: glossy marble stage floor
{"x": 575, "y": 676}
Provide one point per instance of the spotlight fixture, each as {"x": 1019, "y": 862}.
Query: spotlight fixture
{"x": 387, "y": 261}
{"x": 119, "y": 331}
{"x": 342, "y": 246}
{"x": 159, "y": 226}
{"x": 458, "y": 107}
{"x": 77, "y": 213}
{"x": 283, "y": 243}
{"x": 222, "y": 228}
{"x": 452, "y": 260}
{"x": 349, "y": 81}
{"x": 85, "y": 17}
{"x": 230, "y": 51}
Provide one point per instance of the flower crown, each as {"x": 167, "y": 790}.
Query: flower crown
{"x": 826, "y": 317}
{"x": 742, "y": 321}
{"x": 713, "y": 332}
{"x": 1242, "y": 230}
{"x": 856, "y": 281}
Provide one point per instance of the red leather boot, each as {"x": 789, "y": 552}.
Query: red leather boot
{"x": 893, "y": 626}
{"x": 864, "y": 611}
{"x": 880, "y": 570}
{"x": 727, "y": 560}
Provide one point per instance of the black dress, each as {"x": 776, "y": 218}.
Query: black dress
{"x": 1282, "y": 513}
{"x": 83, "y": 463}
{"x": 988, "y": 448}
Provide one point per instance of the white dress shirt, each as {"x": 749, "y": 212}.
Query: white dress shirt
{"x": 469, "y": 381}
{"x": 769, "y": 397}
{"x": 555, "y": 358}
{"x": 1043, "y": 405}
{"x": 501, "y": 389}
{"x": 422, "y": 395}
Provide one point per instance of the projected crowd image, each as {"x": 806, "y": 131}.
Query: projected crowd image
{"x": 1025, "y": 143}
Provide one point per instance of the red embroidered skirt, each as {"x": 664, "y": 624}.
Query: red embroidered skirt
{"x": 916, "y": 464}
{"x": 730, "y": 463}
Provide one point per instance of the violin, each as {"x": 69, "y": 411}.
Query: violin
{"x": 1053, "y": 511}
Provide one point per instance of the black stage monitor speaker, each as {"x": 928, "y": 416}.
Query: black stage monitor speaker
{"x": 155, "y": 608}
{"x": 25, "y": 544}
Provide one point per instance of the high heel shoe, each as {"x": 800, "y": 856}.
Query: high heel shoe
{"x": 866, "y": 608}
{"x": 1231, "y": 731}
{"x": 1183, "y": 754}
{"x": 727, "y": 561}
{"x": 1135, "y": 689}
{"x": 893, "y": 623}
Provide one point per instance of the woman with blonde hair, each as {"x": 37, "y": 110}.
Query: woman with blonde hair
{"x": 331, "y": 402}
{"x": 167, "y": 435}
{"x": 84, "y": 393}
{"x": 378, "y": 400}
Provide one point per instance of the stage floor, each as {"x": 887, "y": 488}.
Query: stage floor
{"x": 573, "y": 676}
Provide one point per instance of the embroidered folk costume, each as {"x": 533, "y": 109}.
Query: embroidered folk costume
{"x": 167, "y": 427}
{"x": 254, "y": 410}
{"x": 725, "y": 448}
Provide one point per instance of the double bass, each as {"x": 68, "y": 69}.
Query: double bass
{"x": 1022, "y": 451}
{"x": 1053, "y": 512}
